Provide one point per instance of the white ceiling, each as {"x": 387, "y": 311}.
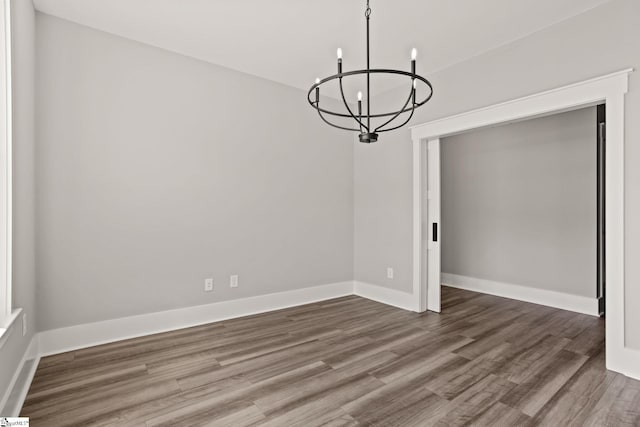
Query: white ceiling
{"x": 294, "y": 41}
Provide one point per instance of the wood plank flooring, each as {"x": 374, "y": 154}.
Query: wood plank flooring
{"x": 348, "y": 362}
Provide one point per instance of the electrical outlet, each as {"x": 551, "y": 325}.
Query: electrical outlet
{"x": 24, "y": 324}
{"x": 389, "y": 273}
{"x": 233, "y": 281}
{"x": 208, "y": 284}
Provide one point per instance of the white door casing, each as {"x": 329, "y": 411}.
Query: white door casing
{"x": 609, "y": 89}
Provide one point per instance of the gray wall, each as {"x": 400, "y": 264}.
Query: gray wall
{"x": 155, "y": 171}
{"x": 602, "y": 40}
{"x": 519, "y": 203}
{"x": 23, "y": 291}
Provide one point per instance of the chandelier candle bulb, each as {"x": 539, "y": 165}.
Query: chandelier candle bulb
{"x": 413, "y": 63}
{"x": 415, "y": 86}
{"x": 339, "y": 53}
{"x": 414, "y": 54}
{"x": 317, "y": 92}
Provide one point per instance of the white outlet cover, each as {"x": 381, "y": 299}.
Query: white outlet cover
{"x": 389, "y": 273}
{"x": 233, "y": 281}
{"x": 208, "y": 285}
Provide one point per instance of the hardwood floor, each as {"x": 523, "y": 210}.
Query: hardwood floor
{"x": 348, "y": 362}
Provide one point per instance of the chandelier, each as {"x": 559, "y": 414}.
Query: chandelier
{"x": 362, "y": 121}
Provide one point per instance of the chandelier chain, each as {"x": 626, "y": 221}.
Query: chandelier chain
{"x": 367, "y": 12}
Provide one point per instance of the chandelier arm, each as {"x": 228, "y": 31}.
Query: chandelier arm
{"x": 331, "y": 124}
{"x": 373, "y": 71}
{"x": 344, "y": 100}
{"x": 373, "y": 116}
{"x": 399, "y": 112}
{"x": 331, "y": 113}
{"x": 399, "y": 126}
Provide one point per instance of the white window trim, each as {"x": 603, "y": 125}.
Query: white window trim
{"x": 7, "y": 317}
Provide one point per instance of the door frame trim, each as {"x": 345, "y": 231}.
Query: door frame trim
{"x": 433, "y": 209}
{"x": 609, "y": 89}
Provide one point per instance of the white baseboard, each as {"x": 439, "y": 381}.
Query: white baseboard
{"x": 561, "y": 300}
{"x": 90, "y": 334}
{"x": 384, "y": 295}
{"x": 16, "y": 392}
{"x": 61, "y": 340}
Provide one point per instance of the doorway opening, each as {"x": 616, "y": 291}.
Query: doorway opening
{"x": 609, "y": 90}
{"x": 518, "y": 210}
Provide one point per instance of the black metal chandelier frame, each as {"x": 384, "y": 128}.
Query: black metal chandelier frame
{"x": 368, "y": 133}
